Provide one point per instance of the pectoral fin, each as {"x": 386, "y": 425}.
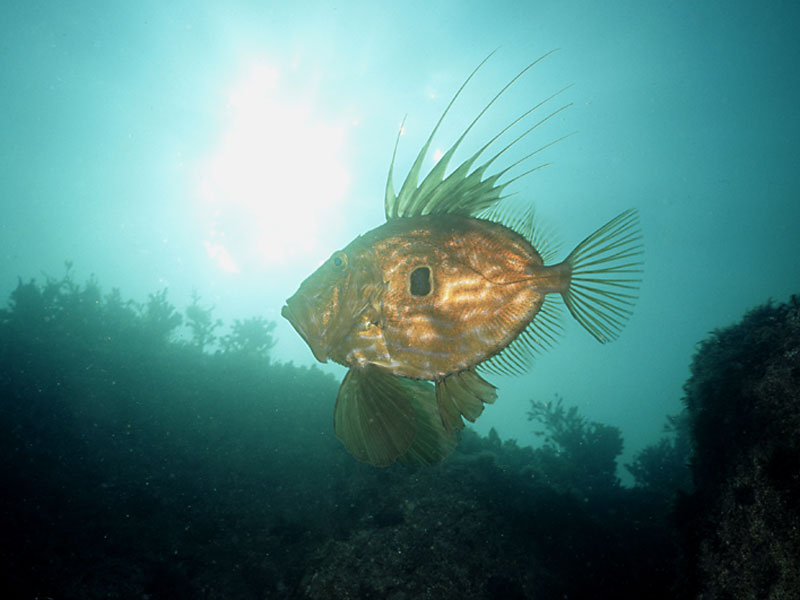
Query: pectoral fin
{"x": 463, "y": 393}
{"x": 382, "y": 418}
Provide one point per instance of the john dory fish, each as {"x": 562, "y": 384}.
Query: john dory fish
{"x": 451, "y": 283}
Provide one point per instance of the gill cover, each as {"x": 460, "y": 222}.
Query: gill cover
{"x": 335, "y": 302}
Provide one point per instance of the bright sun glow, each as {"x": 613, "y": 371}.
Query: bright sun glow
{"x": 276, "y": 180}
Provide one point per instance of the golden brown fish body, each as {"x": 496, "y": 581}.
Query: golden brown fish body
{"x": 450, "y": 283}
{"x": 453, "y": 291}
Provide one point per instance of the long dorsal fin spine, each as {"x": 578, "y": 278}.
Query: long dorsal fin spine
{"x": 425, "y": 195}
{"x": 390, "y": 198}
{"x": 488, "y": 190}
{"x": 451, "y": 185}
{"x": 524, "y": 134}
{"x": 464, "y": 190}
{"x": 409, "y": 186}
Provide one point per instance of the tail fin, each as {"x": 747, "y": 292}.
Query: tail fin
{"x": 604, "y": 276}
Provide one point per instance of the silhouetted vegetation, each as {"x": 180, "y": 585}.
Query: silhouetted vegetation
{"x": 588, "y": 449}
{"x": 663, "y": 468}
{"x": 201, "y": 323}
{"x": 252, "y": 337}
{"x": 135, "y": 464}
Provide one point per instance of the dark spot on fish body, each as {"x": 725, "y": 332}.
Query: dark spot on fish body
{"x": 419, "y": 281}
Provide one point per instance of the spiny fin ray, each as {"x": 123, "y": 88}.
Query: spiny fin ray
{"x": 464, "y": 191}
{"x": 541, "y": 334}
{"x": 522, "y": 220}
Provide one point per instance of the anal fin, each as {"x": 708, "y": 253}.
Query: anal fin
{"x": 462, "y": 394}
{"x": 382, "y": 418}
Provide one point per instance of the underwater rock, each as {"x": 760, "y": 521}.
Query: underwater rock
{"x": 741, "y": 526}
{"x": 135, "y": 465}
{"x": 445, "y": 544}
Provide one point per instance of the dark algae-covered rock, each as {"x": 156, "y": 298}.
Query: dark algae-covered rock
{"x": 136, "y": 464}
{"x": 741, "y": 526}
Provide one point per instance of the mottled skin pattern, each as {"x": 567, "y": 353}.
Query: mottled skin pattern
{"x": 486, "y": 285}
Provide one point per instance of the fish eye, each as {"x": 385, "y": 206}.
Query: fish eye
{"x": 419, "y": 281}
{"x": 339, "y": 260}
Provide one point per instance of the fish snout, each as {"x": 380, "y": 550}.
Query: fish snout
{"x": 299, "y": 316}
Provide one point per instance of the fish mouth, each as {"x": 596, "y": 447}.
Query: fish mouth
{"x": 296, "y": 322}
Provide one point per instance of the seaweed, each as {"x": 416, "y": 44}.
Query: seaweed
{"x": 251, "y": 336}
{"x": 587, "y": 450}
{"x": 663, "y": 468}
{"x": 136, "y": 463}
{"x": 741, "y": 524}
{"x": 201, "y": 323}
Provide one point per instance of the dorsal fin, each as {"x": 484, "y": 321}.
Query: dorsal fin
{"x": 522, "y": 220}
{"x": 394, "y": 202}
{"x": 464, "y": 191}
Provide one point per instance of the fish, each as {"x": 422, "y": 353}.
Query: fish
{"x": 455, "y": 284}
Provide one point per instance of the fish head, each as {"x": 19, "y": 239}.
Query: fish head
{"x": 330, "y": 305}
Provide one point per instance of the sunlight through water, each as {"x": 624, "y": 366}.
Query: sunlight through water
{"x": 276, "y": 180}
